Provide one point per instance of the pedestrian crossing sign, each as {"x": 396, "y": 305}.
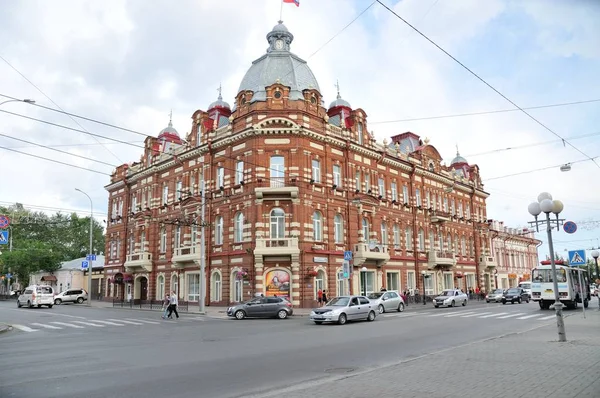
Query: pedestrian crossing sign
{"x": 577, "y": 257}
{"x": 3, "y": 237}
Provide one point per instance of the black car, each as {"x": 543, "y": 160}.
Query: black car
{"x": 262, "y": 307}
{"x": 515, "y": 295}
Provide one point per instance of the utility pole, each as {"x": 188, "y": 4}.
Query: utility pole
{"x": 202, "y": 251}
{"x": 91, "y": 253}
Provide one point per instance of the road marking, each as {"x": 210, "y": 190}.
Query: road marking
{"x": 45, "y": 326}
{"x": 106, "y": 322}
{"x": 546, "y": 318}
{"x": 460, "y": 313}
{"x": 69, "y": 325}
{"x": 493, "y": 315}
{"x": 511, "y": 315}
{"x": 53, "y": 313}
{"x": 476, "y": 314}
{"x": 442, "y": 314}
{"x": 126, "y": 322}
{"x": 24, "y": 328}
{"x": 144, "y": 321}
{"x": 529, "y": 316}
{"x": 89, "y": 324}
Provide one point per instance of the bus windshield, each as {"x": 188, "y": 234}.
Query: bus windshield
{"x": 545, "y": 275}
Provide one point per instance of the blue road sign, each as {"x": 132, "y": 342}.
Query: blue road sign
{"x": 4, "y": 221}
{"x": 346, "y": 269}
{"x": 85, "y": 265}
{"x": 91, "y": 257}
{"x": 348, "y": 255}
{"x": 570, "y": 227}
{"x": 9, "y": 276}
{"x": 3, "y": 237}
{"x": 577, "y": 257}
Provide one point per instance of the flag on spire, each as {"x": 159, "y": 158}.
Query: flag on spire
{"x": 296, "y": 2}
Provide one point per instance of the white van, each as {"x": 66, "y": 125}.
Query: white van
{"x": 526, "y": 285}
{"x": 36, "y": 295}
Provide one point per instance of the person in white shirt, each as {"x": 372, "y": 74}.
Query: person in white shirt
{"x": 173, "y": 306}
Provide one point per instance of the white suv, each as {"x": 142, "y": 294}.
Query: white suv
{"x": 36, "y": 295}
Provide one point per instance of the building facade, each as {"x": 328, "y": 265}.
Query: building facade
{"x": 515, "y": 251}
{"x": 290, "y": 186}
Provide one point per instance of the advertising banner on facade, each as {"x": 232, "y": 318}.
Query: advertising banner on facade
{"x": 277, "y": 283}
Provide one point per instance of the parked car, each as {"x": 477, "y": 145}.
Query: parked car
{"x": 387, "y": 301}
{"x": 262, "y": 307}
{"x": 36, "y": 295}
{"x": 345, "y": 308}
{"x": 515, "y": 295}
{"x": 71, "y": 296}
{"x": 450, "y": 298}
{"x": 495, "y": 296}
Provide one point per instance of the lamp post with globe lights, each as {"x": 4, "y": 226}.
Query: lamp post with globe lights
{"x": 595, "y": 254}
{"x": 425, "y": 276}
{"x": 547, "y": 205}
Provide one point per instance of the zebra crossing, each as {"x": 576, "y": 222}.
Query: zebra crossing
{"x": 114, "y": 323}
{"x": 488, "y": 315}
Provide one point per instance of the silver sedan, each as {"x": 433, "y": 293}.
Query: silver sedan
{"x": 450, "y": 298}
{"x": 387, "y": 301}
{"x": 345, "y": 308}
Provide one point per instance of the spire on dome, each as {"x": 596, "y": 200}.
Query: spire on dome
{"x": 458, "y": 159}
{"x": 171, "y": 118}
{"x": 339, "y": 101}
{"x": 337, "y": 85}
{"x": 219, "y": 103}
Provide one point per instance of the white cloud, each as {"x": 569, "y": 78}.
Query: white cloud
{"x": 129, "y": 64}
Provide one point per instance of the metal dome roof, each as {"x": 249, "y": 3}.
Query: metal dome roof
{"x": 279, "y": 65}
{"x": 458, "y": 159}
{"x": 219, "y": 103}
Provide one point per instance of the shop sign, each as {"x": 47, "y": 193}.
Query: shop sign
{"x": 320, "y": 259}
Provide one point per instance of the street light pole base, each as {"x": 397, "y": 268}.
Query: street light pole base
{"x": 560, "y": 322}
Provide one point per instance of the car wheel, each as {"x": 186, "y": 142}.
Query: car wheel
{"x": 452, "y": 304}
{"x": 436, "y": 306}
{"x": 49, "y": 305}
{"x": 319, "y": 322}
{"x": 503, "y": 302}
{"x": 29, "y": 304}
{"x": 58, "y": 301}
{"x": 342, "y": 319}
{"x": 282, "y": 314}
{"x": 239, "y": 314}
{"x": 381, "y": 309}
{"x": 401, "y": 307}
{"x": 19, "y": 304}
{"x": 464, "y": 303}
{"x": 80, "y": 300}
{"x": 519, "y": 300}
{"x": 487, "y": 301}
{"x": 371, "y": 316}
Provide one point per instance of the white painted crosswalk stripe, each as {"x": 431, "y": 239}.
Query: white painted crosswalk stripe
{"x": 25, "y": 328}
{"x": 476, "y": 314}
{"x": 42, "y": 325}
{"x": 460, "y": 313}
{"x": 123, "y": 321}
{"x": 90, "y": 324}
{"x": 511, "y": 315}
{"x": 529, "y": 316}
{"x": 144, "y": 321}
{"x": 106, "y": 322}
{"x": 70, "y": 325}
{"x": 546, "y": 318}
{"x": 494, "y": 315}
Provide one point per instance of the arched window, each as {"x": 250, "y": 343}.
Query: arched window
{"x": 359, "y": 131}
{"x": 177, "y": 236}
{"x": 441, "y": 241}
{"x": 421, "y": 240}
{"x": 396, "y": 236}
{"x": 238, "y": 234}
{"x": 463, "y": 246}
{"x": 163, "y": 239}
{"x": 175, "y": 284}
{"x": 431, "y": 241}
{"x": 338, "y": 228}
{"x": 215, "y": 287}
{"x": 237, "y": 287}
{"x": 365, "y": 228}
{"x": 277, "y": 171}
{"x": 408, "y": 235}
{"x": 277, "y": 229}
{"x": 317, "y": 226}
{"x": 320, "y": 283}
{"x": 384, "y": 234}
{"x": 449, "y": 241}
{"x": 160, "y": 287}
{"x": 219, "y": 230}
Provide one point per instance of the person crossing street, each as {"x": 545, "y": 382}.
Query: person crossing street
{"x": 173, "y": 306}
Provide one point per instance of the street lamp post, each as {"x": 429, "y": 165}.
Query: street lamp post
{"x": 26, "y": 100}
{"x": 547, "y": 205}
{"x": 89, "y": 302}
{"x": 425, "y": 276}
{"x": 363, "y": 273}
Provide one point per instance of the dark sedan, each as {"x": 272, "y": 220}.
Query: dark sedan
{"x": 262, "y": 307}
{"x": 515, "y": 295}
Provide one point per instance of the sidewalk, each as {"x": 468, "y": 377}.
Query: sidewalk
{"x": 528, "y": 364}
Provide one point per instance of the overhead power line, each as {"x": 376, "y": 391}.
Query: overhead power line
{"x": 58, "y": 150}
{"x": 540, "y": 169}
{"x": 487, "y": 84}
{"x": 54, "y": 161}
{"x": 40, "y": 207}
{"x": 58, "y": 106}
{"x": 485, "y": 112}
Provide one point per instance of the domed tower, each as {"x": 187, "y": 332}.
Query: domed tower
{"x": 460, "y": 165}
{"x": 278, "y": 65}
{"x": 219, "y": 112}
{"x": 169, "y": 136}
{"x": 339, "y": 111}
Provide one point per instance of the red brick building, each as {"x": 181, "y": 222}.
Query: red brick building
{"x": 290, "y": 186}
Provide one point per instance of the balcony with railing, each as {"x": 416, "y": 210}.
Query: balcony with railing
{"x": 276, "y": 247}
{"x": 488, "y": 261}
{"x": 276, "y": 188}
{"x": 137, "y": 262}
{"x": 370, "y": 252}
{"x": 440, "y": 259}
{"x": 185, "y": 255}
{"x": 438, "y": 216}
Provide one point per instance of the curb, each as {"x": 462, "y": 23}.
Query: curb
{"x": 5, "y": 328}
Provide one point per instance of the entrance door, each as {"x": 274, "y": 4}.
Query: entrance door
{"x": 143, "y": 289}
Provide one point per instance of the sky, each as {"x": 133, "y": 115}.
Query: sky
{"x": 129, "y": 64}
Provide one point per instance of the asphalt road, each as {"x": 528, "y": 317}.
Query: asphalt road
{"x": 75, "y": 351}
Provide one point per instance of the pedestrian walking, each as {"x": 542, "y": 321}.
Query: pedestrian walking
{"x": 173, "y": 306}
{"x": 324, "y": 297}
{"x": 165, "y": 306}
{"x": 320, "y": 297}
